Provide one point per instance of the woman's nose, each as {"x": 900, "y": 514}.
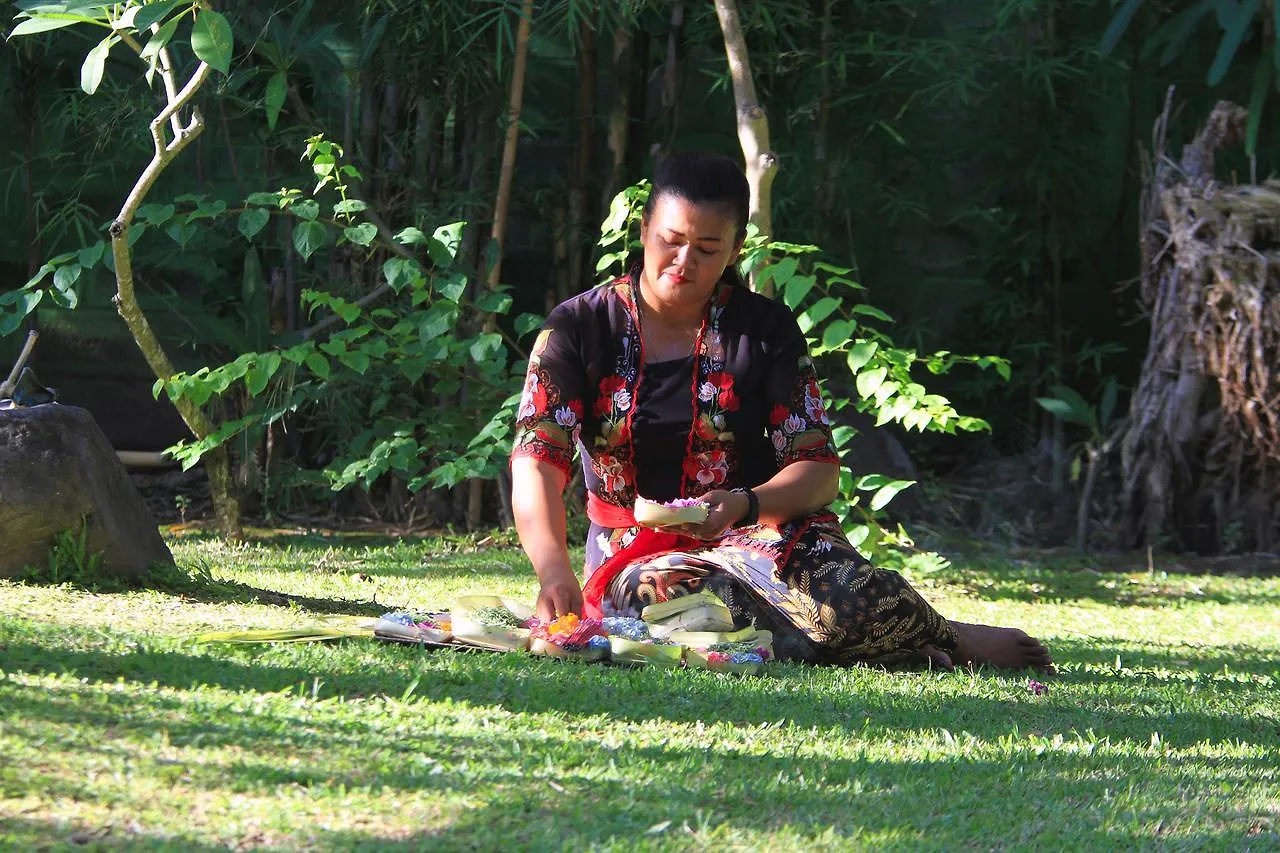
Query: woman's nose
{"x": 684, "y": 255}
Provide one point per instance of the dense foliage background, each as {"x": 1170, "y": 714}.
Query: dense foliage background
{"x": 977, "y": 162}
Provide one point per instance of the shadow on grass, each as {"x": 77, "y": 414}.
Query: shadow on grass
{"x": 1039, "y": 585}
{"x": 521, "y": 684}
{"x": 203, "y": 588}
{"x": 723, "y": 792}
{"x": 21, "y": 833}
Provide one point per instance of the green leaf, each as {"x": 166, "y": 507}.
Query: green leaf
{"x": 450, "y": 236}
{"x": 156, "y": 214}
{"x": 438, "y": 320}
{"x": 1231, "y": 40}
{"x": 348, "y": 206}
{"x": 362, "y": 234}
{"x": 400, "y": 273}
{"x": 154, "y": 12}
{"x": 251, "y": 221}
{"x": 1063, "y": 410}
{"x": 255, "y": 379}
{"x": 494, "y": 303}
{"x": 90, "y": 255}
{"x": 411, "y": 237}
{"x": 869, "y": 381}
{"x": 858, "y": 534}
{"x": 161, "y": 38}
{"x": 264, "y": 199}
{"x": 211, "y": 40}
{"x": 277, "y": 90}
{"x": 308, "y": 210}
{"x": 356, "y": 360}
{"x": 1119, "y": 23}
{"x": 888, "y": 492}
{"x": 318, "y": 364}
{"x": 65, "y": 276}
{"x": 44, "y": 24}
{"x": 414, "y": 368}
{"x": 526, "y": 323}
{"x": 797, "y": 289}
{"x": 1073, "y": 399}
{"x": 820, "y": 311}
{"x": 181, "y": 232}
{"x": 95, "y": 64}
{"x": 308, "y": 237}
{"x": 871, "y": 311}
{"x": 452, "y": 287}
{"x": 861, "y": 353}
{"x": 838, "y": 333}
{"x": 68, "y": 299}
{"x": 485, "y": 346}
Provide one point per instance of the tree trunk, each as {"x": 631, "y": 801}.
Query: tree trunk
{"x": 620, "y": 114}
{"x": 753, "y": 123}
{"x": 825, "y": 183}
{"x": 217, "y": 463}
{"x": 580, "y": 170}
{"x": 500, "y": 207}
{"x": 671, "y": 77}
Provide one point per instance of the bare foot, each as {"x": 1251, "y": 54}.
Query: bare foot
{"x": 936, "y": 658}
{"x": 1005, "y": 648}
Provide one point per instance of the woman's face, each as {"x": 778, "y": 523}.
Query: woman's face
{"x": 686, "y": 249}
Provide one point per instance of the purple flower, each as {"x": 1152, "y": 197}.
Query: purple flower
{"x": 1036, "y": 688}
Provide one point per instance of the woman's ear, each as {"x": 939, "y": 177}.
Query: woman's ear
{"x": 737, "y": 250}
{"x": 644, "y": 228}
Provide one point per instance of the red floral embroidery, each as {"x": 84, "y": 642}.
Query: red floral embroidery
{"x": 707, "y": 469}
{"x": 779, "y": 414}
{"x": 728, "y": 400}
{"x": 721, "y": 380}
{"x": 614, "y": 475}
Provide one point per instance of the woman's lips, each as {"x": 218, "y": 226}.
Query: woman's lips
{"x": 677, "y": 278}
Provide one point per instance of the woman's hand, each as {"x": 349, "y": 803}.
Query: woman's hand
{"x": 560, "y": 595}
{"x": 726, "y": 509}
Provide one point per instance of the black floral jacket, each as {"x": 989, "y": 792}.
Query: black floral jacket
{"x": 756, "y": 392}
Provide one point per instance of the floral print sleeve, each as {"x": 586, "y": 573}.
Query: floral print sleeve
{"x": 549, "y": 418}
{"x": 798, "y": 425}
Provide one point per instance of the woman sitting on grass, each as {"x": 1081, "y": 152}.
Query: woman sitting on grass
{"x": 676, "y": 381}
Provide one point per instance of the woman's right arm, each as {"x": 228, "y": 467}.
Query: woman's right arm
{"x": 537, "y": 501}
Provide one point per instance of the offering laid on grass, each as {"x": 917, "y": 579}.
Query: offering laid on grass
{"x": 662, "y": 638}
{"x": 569, "y": 637}
{"x": 424, "y": 627}
{"x": 630, "y": 641}
{"x": 491, "y": 622}
{"x": 743, "y": 652}
{"x": 681, "y": 511}
{"x": 701, "y": 611}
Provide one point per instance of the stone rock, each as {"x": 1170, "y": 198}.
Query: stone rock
{"x": 57, "y": 469}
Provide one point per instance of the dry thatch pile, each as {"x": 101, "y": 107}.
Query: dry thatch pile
{"x": 1202, "y": 457}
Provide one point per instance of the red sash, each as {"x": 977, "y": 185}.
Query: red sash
{"x": 646, "y": 544}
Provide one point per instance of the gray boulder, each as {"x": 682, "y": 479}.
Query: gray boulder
{"x": 57, "y": 469}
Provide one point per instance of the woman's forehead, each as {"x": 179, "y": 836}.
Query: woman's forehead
{"x": 706, "y": 220}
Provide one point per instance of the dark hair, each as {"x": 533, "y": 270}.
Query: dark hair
{"x": 703, "y": 178}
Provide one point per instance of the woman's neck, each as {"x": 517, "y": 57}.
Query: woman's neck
{"x": 669, "y": 332}
{"x": 673, "y": 319}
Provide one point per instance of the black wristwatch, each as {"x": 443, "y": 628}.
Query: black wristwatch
{"x": 753, "y": 509}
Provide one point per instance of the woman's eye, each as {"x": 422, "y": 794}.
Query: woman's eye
{"x": 707, "y": 252}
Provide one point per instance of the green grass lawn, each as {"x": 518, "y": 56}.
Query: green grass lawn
{"x": 1162, "y": 729}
